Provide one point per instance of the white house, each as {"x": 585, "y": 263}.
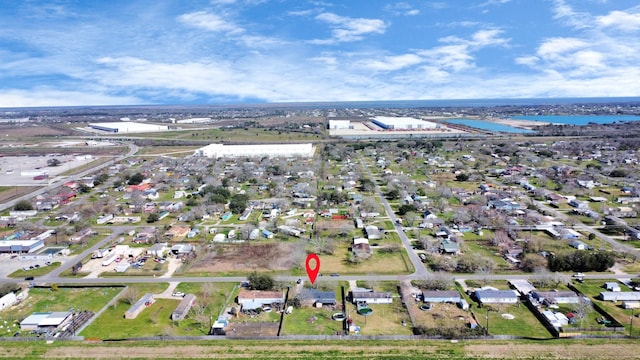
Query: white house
{"x": 496, "y": 296}
{"x": 371, "y": 297}
{"x": 253, "y": 299}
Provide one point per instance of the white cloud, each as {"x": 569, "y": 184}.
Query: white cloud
{"x": 554, "y": 47}
{"x": 46, "y": 96}
{"x": 401, "y": 8}
{"x": 346, "y": 29}
{"x": 621, "y": 20}
{"x": 210, "y": 22}
{"x": 391, "y": 63}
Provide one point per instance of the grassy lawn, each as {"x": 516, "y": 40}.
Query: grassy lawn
{"x": 386, "y": 319}
{"x": 311, "y": 321}
{"x": 379, "y": 263}
{"x": 61, "y": 299}
{"x": 524, "y": 322}
{"x": 42, "y": 270}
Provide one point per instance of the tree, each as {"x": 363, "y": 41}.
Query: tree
{"x": 23, "y": 205}
{"x": 238, "y": 203}
{"x": 135, "y": 179}
{"x": 153, "y": 217}
{"x": 84, "y": 188}
{"x": 100, "y": 179}
{"x": 260, "y": 281}
{"x": 406, "y": 208}
{"x": 531, "y": 262}
{"x": 462, "y": 177}
{"x": 53, "y": 162}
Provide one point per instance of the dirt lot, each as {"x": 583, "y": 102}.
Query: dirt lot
{"x": 13, "y": 132}
{"x": 224, "y": 258}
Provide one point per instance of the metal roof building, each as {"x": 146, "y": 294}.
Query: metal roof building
{"x": 258, "y": 150}
{"x": 124, "y": 127}
{"x": 403, "y": 123}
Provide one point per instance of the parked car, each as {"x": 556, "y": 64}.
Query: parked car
{"x": 178, "y": 294}
{"x": 335, "y": 274}
{"x": 28, "y": 278}
{"x": 578, "y": 275}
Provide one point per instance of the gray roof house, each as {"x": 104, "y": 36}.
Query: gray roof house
{"x": 556, "y": 297}
{"x": 441, "y": 296}
{"x": 496, "y": 296}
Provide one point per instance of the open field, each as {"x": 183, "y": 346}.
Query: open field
{"x": 321, "y": 349}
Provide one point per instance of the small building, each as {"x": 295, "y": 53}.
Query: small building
{"x": 612, "y": 286}
{"x": 254, "y": 299}
{"x": 556, "y": 319}
{"x": 496, "y": 296}
{"x": 314, "y": 297}
{"x": 135, "y": 309}
{"x": 8, "y": 300}
{"x": 158, "y": 249}
{"x": 373, "y": 233}
{"x": 44, "y": 320}
{"x": 578, "y": 245}
{"x": 361, "y": 247}
{"x": 555, "y": 297}
{"x": 183, "y": 307}
{"x": 122, "y": 267}
{"x": 448, "y": 247}
{"x": 254, "y": 234}
{"x": 437, "y": 296}
{"x": 523, "y": 286}
{"x": 371, "y": 297}
{"x": 181, "y": 249}
{"x": 620, "y": 296}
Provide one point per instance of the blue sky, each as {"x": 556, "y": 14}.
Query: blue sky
{"x": 119, "y": 52}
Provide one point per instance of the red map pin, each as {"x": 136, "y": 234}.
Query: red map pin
{"x": 313, "y": 272}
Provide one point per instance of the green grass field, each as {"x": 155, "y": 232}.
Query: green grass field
{"x": 323, "y": 349}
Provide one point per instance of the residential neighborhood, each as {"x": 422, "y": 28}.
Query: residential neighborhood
{"x": 416, "y": 237}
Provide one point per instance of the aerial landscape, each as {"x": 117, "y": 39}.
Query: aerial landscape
{"x": 284, "y": 179}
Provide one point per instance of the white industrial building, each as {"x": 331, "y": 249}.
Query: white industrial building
{"x": 20, "y": 246}
{"x": 403, "y": 123}
{"x": 340, "y": 125}
{"x": 270, "y": 150}
{"x": 124, "y": 127}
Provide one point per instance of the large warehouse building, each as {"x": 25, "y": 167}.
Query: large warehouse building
{"x": 20, "y": 246}
{"x": 124, "y": 127}
{"x": 340, "y": 124}
{"x": 270, "y": 150}
{"x": 403, "y": 123}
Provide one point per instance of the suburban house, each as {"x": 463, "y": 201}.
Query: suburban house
{"x": 361, "y": 247}
{"x": 437, "y": 296}
{"x": 254, "y": 299}
{"x": 135, "y": 309}
{"x": 448, "y": 247}
{"x": 620, "y": 296}
{"x": 183, "y": 307}
{"x": 579, "y": 245}
{"x": 158, "y": 249}
{"x": 371, "y": 297}
{"x": 316, "y": 298}
{"x": 555, "y": 297}
{"x": 496, "y": 296}
{"x": 372, "y": 232}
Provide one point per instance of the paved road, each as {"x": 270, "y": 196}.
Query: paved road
{"x": 420, "y": 270}
{"x": 9, "y": 204}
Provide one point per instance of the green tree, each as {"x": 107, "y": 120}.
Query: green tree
{"x": 462, "y": 177}
{"x": 84, "y": 188}
{"x": 23, "y": 205}
{"x": 406, "y": 208}
{"x": 260, "y": 281}
{"x": 238, "y": 203}
{"x": 135, "y": 179}
{"x": 153, "y": 217}
{"x": 100, "y": 179}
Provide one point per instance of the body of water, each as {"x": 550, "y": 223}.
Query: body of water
{"x": 488, "y": 125}
{"x": 579, "y": 119}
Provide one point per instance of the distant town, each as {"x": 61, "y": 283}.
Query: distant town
{"x": 192, "y": 222}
